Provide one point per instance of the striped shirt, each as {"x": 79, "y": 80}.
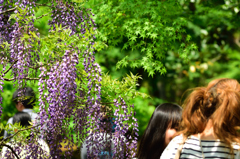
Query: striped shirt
{"x": 214, "y": 149}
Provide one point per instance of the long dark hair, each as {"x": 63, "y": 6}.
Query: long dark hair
{"x": 152, "y": 144}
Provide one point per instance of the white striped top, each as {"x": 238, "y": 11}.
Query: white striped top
{"x": 214, "y": 149}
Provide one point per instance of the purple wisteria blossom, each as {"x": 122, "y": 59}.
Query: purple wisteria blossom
{"x": 61, "y": 86}
{"x": 122, "y": 126}
{"x": 68, "y": 89}
{"x": 5, "y": 25}
{"x": 1, "y": 91}
{"x": 3, "y": 62}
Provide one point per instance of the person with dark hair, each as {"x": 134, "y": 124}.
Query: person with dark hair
{"x": 22, "y": 118}
{"x": 21, "y": 148}
{"x": 161, "y": 129}
{"x": 211, "y": 123}
{"x": 24, "y": 100}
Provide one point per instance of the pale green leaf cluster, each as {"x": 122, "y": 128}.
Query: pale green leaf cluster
{"x": 126, "y": 87}
{"x": 19, "y": 133}
{"x": 153, "y": 27}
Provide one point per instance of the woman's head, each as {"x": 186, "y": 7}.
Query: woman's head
{"x": 165, "y": 118}
{"x": 218, "y": 102}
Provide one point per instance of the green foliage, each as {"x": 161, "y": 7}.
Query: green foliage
{"x": 112, "y": 88}
{"x": 148, "y": 26}
{"x": 8, "y": 106}
{"x": 18, "y": 133}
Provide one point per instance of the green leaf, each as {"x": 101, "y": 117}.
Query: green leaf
{"x": 143, "y": 49}
{"x": 149, "y": 54}
{"x": 125, "y": 46}
{"x": 137, "y": 32}
{"x": 151, "y": 73}
{"x": 188, "y": 38}
{"x": 134, "y": 64}
{"x": 146, "y": 28}
{"x": 153, "y": 35}
{"x": 133, "y": 38}
{"x": 182, "y": 45}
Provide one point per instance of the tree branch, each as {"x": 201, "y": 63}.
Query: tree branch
{"x": 11, "y": 150}
{"x": 106, "y": 102}
{"x": 37, "y": 67}
{"x": 9, "y": 10}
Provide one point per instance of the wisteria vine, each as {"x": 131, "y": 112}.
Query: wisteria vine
{"x": 69, "y": 81}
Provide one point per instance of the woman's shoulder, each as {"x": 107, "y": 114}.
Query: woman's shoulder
{"x": 178, "y": 138}
{"x": 171, "y": 148}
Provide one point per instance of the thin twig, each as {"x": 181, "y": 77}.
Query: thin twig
{"x": 42, "y": 5}
{"x": 9, "y": 68}
{"x": 9, "y": 10}
{"x": 107, "y": 102}
{"x": 9, "y": 137}
{"x": 81, "y": 97}
{"x": 42, "y": 16}
{"x": 11, "y": 150}
{"x": 37, "y": 67}
{"x": 27, "y": 78}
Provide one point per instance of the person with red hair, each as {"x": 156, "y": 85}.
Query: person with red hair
{"x": 210, "y": 123}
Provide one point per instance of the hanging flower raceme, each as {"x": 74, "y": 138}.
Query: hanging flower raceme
{"x": 3, "y": 62}
{"x": 132, "y": 139}
{"x": 123, "y": 114}
{"x": 77, "y": 21}
{"x": 21, "y": 51}
{"x": 61, "y": 86}
{"x": 67, "y": 16}
{"x": 5, "y": 25}
{"x": 64, "y": 14}
{"x": 1, "y": 91}
{"x": 93, "y": 106}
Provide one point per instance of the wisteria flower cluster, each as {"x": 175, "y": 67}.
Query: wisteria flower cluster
{"x": 122, "y": 127}
{"x": 68, "y": 16}
{"x": 69, "y": 80}
{"x": 21, "y": 51}
{"x": 2, "y": 62}
{"x": 61, "y": 86}
{"x": 5, "y": 25}
{"x": 1, "y": 90}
